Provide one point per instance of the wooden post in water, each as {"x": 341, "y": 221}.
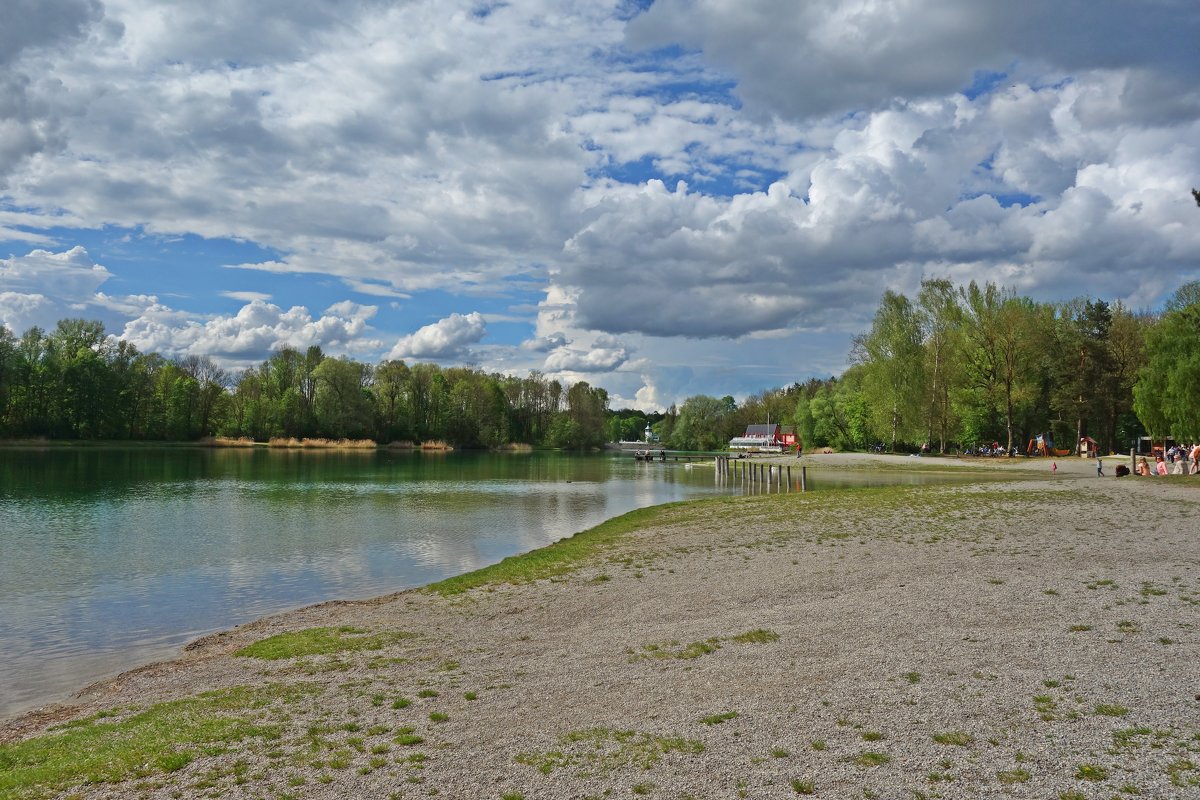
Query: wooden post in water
{"x": 804, "y": 479}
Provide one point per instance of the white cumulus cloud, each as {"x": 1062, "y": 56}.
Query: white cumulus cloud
{"x": 43, "y": 287}
{"x": 445, "y": 340}
{"x": 252, "y": 333}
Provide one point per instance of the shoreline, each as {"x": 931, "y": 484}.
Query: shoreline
{"x": 939, "y": 582}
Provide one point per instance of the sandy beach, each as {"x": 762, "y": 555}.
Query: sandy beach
{"x": 1032, "y": 634}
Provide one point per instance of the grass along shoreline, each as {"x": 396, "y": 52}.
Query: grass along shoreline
{"x": 922, "y": 635}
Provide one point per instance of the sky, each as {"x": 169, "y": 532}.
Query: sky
{"x": 661, "y": 197}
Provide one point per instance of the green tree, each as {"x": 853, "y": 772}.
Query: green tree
{"x": 1003, "y": 339}
{"x": 9, "y": 372}
{"x": 941, "y": 320}
{"x": 700, "y": 425}
{"x": 343, "y": 402}
{"x": 893, "y": 361}
{"x": 211, "y": 382}
{"x": 1080, "y": 362}
{"x": 393, "y": 417}
{"x": 587, "y": 407}
{"x": 1126, "y": 353}
{"x": 839, "y": 412}
{"x": 83, "y": 382}
{"x": 1165, "y": 394}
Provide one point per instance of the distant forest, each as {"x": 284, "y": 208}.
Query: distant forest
{"x": 77, "y": 383}
{"x": 963, "y": 366}
{"x": 956, "y": 367}
{"x": 970, "y": 365}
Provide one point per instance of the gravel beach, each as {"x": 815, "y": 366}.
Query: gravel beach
{"x": 1029, "y": 635}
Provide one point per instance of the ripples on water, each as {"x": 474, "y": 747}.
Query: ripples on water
{"x": 110, "y": 558}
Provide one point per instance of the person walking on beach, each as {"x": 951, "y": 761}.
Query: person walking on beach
{"x": 1099, "y": 467}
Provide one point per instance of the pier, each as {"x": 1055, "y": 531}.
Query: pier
{"x": 766, "y": 477}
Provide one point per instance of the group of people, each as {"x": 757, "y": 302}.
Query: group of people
{"x": 995, "y": 450}
{"x": 1178, "y": 460}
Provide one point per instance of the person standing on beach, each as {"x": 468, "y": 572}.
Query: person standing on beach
{"x": 1099, "y": 467}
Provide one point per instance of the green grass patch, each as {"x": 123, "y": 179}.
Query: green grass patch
{"x": 717, "y": 719}
{"x": 409, "y": 739}
{"x": 1017, "y": 775}
{"x": 164, "y": 738}
{"x": 559, "y": 558}
{"x": 957, "y": 738}
{"x": 756, "y": 636}
{"x": 604, "y": 750}
{"x": 803, "y": 786}
{"x": 665, "y": 650}
{"x": 1091, "y": 772}
{"x": 320, "y": 641}
{"x": 1045, "y": 706}
{"x": 1111, "y": 710}
{"x": 1127, "y": 737}
{"x": 872, "y": 759}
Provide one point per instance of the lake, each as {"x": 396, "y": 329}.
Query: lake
{"x": 110, "y": 558}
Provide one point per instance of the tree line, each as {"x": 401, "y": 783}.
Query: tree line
{"x": 77, "y": 383}
{"x": 960, "y": 366}
{"x": 964, "y": 366}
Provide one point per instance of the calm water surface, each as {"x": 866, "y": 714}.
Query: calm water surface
{"x": 112, "y": 558}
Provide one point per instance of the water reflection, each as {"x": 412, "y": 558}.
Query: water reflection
{"x": 109, "y": 558}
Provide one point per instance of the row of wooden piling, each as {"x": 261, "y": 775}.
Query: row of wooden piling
{"x": 766, "y": 476}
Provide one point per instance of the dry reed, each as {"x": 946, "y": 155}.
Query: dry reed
{"x": 226, "y": 441}
{"x": 323, "y": 444}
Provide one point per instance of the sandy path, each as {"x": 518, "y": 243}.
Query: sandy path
{"x": 1024, "y": 639}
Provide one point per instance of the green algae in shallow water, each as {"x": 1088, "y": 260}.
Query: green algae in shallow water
{"x": 558, "y": 558}
{"x": 161, "y": 739}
